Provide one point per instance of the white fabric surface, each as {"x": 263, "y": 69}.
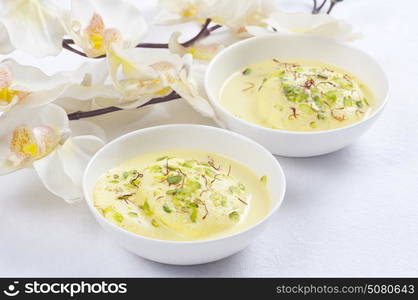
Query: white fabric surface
{"x": 350, "y": 213}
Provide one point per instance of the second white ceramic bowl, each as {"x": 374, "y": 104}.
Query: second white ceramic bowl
{"x": 288, "y": 143}
{"x": 188, "y": 137}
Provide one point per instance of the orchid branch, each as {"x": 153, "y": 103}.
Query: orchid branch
{"x": 97, "y": 112}
{"x": 317, "y": 9}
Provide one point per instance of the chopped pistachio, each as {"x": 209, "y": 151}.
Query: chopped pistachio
{"x": 172, "y": 192}
{"x": 187, "y": 164}
{"x": 171, "y": 168}
{"x": 167, "y": 209}
{"x": 162, "y": 158}
{"x": 234, "y": 216}
{"x": 313, "y": 124}
{"x": 174, "y": 179}
{"x": 117, "y": 217}
{"x": 348, "y": 101}
{"x": 133, "y": 214}
{"x": 155, "y": 169}
{"x": 193, "y": 215}
{"x": 146, "y": 209}
{"x": 155, "y": 223}
{"x": 192, "y": 185}
{"x": 263, "y": 179}
{"x": 246, "y": 71}
{"x": 306, "y": 108}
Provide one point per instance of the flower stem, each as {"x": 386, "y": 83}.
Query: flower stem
{"x": 317, "y": 9}
{"x": 322, "y": 5}
{"x": 331, "y": 6}
{"x": 97, "y": 112}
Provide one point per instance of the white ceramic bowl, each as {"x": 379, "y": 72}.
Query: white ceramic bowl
{"x": 288, "y": 143}
{"x": 191, "y": 137}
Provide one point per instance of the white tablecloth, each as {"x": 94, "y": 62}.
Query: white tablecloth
{"x": 350, "y": 213}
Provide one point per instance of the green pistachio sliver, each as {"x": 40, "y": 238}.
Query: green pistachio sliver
{"x": 146, "y": 209}
{"x": 263, "y": 179}
{"x": 313, "y": 124}
{"x": 162, "y": 158}
{"x": 246, "y": 71}
{"x": 171, "y": 168}
{"x": 174, "y": 179}
{"x": 359, "y": 104}
{"x": 367, "y": 102}
{"x": 155, "y": 223}
{"x": 192, "y": 185}
{"x": 187, "y": 164}
{"x": 125, "y": 174}
{"x": 155, "y": 169}
{"x": 348, "y": 101}
{"x": 133, "y": 214}
{"x": 167, "y": 209}
{"x": 117, "y": 217}
{"x": 234, "y": 216}
{"x": 172, "y": 192}
{"x": 321, "y": 116}
{"x": 193, "y": 215}
{"x": 306, "y": 108}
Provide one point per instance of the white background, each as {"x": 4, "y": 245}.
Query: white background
{"x": 350, "y": 213}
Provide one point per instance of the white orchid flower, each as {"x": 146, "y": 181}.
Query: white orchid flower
{"x": 309, "y": 24}
{"x": 235, "y": 14}
{"x": 33, "y": 26}
{"x": 42, "y": 138}
{"x": 22, "y": 85}
{"x": 178, "y": 11}
{"x": 143, "y": 74}
{"x": 198, "y": 51}
{"x": 95, "y": 24}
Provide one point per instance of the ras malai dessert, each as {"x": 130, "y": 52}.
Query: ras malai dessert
{"x": 182, "y": 196}
{"x": 296, "y": 96}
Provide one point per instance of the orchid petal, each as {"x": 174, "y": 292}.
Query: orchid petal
{"x": 34, "y": 26}
{"x": 62, "y": 171}
{"x": 5, "y": 45}
{"x": 52, "y": 174}
{"x": 198, "y": 51}
{"x": 82, "y": 127}
{"x": 309, "y": 24}
{"x": 28, "y": 86}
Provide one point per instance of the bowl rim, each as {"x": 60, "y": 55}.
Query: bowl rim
{"x": 273, "y": 209}
{"x": 242, "y": 43}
